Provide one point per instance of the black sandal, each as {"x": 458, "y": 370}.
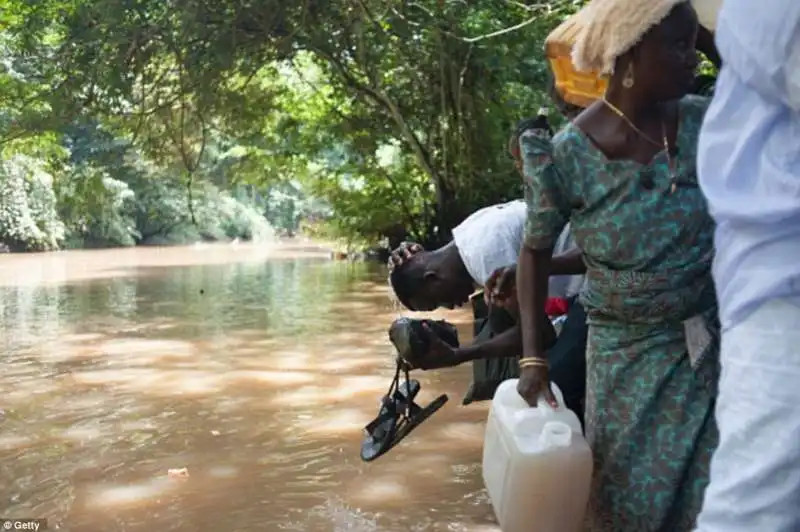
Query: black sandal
{"x": 398, "y": 416}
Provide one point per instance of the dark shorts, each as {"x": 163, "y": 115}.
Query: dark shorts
{"x": 567, "y": 356}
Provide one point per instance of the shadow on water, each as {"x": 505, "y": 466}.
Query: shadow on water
{"x": 255, "y": 372}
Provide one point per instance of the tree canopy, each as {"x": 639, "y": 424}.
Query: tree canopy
{"x": 364, "y": 118}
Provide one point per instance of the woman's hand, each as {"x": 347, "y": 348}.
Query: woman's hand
{"x": 439, "y": 354}
{"x": 534, "y": 381}
{"x": 501, "y": 288}
{"x": 403, "y": 253}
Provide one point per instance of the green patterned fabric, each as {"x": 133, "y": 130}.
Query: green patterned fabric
{"x": 649, "y": 405}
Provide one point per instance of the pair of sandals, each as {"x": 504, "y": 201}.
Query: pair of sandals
{"x": 399, "y": 413}
{"x": 398, "y": 416}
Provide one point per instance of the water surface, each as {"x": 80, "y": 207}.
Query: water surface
{"x": 255, "y": 368}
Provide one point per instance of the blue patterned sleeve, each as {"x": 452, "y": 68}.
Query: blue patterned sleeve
{"x": 548, "y": 206}
{"x": 695, "y": 106}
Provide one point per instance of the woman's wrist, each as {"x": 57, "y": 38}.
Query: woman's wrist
{"x": 532, "y": 361}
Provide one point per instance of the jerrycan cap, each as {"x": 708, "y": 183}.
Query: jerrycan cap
{"x": 555, "y": 434}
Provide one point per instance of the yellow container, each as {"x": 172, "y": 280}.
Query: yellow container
{"x": 582, "y": 88}
{"x": 577, "y": 88}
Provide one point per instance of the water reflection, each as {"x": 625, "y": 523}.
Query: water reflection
{"x": 256, "y": 370}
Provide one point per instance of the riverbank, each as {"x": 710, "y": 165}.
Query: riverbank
{"x": 50, "y": 267}
{"x": 285, "y": 245}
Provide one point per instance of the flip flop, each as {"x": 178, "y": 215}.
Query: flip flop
{"x": 398, "y": 416}
{"x": 381, "y": 431}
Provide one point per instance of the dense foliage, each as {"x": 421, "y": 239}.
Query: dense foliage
{"x": 134, "y": 121}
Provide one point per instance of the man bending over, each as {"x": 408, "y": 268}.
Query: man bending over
{"x": 488, "y": 241}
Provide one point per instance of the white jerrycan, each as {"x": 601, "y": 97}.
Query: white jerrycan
{"x": 537, "y": 466}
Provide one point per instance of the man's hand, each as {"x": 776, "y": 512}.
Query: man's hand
{"x": 439, "y": 355}
{"x": 403, "y": 253}
{"x": 501, "y": 289}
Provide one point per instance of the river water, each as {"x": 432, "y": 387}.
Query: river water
{"x": 255, "y": 368}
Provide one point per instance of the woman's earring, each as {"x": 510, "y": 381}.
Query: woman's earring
{"x": 627, "y": 81}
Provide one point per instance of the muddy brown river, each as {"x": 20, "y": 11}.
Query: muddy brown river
{"x": 255, "y": 368}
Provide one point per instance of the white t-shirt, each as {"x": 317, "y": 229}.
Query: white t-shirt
{"x": 491, "y": 238}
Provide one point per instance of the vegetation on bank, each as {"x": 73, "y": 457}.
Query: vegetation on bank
{"x": 80, "y": 204}
{"x": 144, "y": 121}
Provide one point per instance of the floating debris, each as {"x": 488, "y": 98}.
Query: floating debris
{"x": 178, "y": 473}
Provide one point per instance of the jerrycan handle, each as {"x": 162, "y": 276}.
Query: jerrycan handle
{"x": 542, "y": 403}
{"x": 542, "y": 411}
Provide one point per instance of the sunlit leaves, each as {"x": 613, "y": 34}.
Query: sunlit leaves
{"x": 28, "y": 215}
{"x": 265, "y": 92}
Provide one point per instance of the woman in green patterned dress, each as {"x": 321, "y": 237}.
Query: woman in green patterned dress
{"x": 623, "y": 174}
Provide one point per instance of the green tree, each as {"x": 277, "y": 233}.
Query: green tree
{"x": 390, "y": 112}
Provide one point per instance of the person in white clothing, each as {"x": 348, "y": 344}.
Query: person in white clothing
{"x": 486, "y": 241}
{"x": 749, "y": 171}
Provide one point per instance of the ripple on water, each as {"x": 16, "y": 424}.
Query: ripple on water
{"x": 465, "y": 433}
{"x": 333, "y": 515}
{"x": 382, "y": 490}
{"x": 329, "y": 389}
{"x": 154, "y": 381}
{"x": 13, "y": 442}
{"x": 133, "y": 494}
{"x": 223, "y": 471}
{"x": 82, "y": 434}
{"x": 276, "y": 378}
{"x": 334, "y": 422}
{"x": 125, "y": 348}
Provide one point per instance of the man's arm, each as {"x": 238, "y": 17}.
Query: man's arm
{"x": 568, "y": 263}
{"x": 506, "y": 344}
